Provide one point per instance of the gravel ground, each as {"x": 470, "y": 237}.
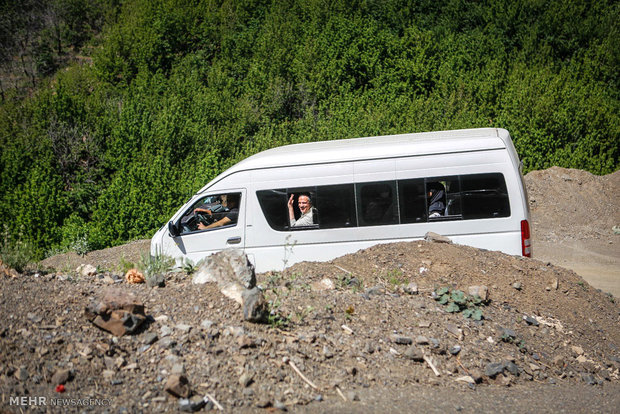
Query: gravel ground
{"x": 364, "y": 330}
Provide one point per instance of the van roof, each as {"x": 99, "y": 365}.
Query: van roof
{"x": 387, "y": 146}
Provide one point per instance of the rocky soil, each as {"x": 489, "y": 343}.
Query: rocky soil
{"x": 365, "y": 332}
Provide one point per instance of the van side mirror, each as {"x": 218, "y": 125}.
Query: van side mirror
{"x": 172, "y": 229}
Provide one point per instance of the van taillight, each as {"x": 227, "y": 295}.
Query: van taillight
{"x": 526, "y": 243}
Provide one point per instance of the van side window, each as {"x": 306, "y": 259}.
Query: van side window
{"x": 377, "y": 203}
{"x": 274, "y": 206}
{"x": 484, "y": 196}
{"x": 335, "y": 206}
{"x": 412, "y": 199}
{"x": 211, "y": 212}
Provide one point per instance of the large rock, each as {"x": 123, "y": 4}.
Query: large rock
{"x": 231, "y": 270}
{"x": 436, "y": 238}
{"x": 118, "y": 312}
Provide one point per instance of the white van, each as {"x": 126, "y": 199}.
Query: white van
{"x": 466, "y": 185}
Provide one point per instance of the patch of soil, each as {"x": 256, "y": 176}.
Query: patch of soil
{"x": 574, "y": 214}
{"x": 354, "y": 327}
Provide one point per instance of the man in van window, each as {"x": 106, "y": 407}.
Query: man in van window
{"x": 231, "y": 201}
{"x": 436, "y": 195}
{"x": 305, "y": 206}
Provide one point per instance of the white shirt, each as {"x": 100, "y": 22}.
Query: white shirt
{"x": 304, "y": 220}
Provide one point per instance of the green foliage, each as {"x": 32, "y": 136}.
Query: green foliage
{"x": 179, "y": 90}
{"x": 16, "y": 253}
{"x": 457, "y": 301}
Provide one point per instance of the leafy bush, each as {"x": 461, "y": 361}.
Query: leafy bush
{"x": 16, "y": 254}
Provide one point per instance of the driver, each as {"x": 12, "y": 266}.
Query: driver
{"x": 231, "y": 201}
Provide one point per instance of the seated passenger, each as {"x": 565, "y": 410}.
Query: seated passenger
{"x": 305, "y": 206}
{"x": 230, "y": 202}
{"x": 436, "y": 195}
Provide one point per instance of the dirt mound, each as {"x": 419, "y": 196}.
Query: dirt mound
{"x": 109, "y": 259}
{"x": 574, "y": 214}
{"x": 573, "y": 204}
{"x": 354, "y": 327}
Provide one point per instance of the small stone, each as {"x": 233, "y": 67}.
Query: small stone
{"x": 455, "y": 349}
{"x": 61, "y": 376}
{"x": 508, "y": 334}
{"x": 558, "y": 361}
{"x": 177, "y": 369}
{"x": 369, "y": 348}
{"x": 588, "y": 378}
{"x": 582, "y": 359}
{"x": 192, "y": 404}
{"x": 22, "y": 374}
{"x": 530, "y": 321}
{"x": 353, "y": 396}
{"x": 467, "y": 379}
{"x": 476, "y": 374}
{"x": 156, "y": 280}
{"x": 178, "y": 386}
{"x": 414, "y": 353}
{"x": 207, "y": 324}
{"x": 401, "y": 340}
{"x": 494, "y": 368}
{"x": 512, "y": 368}
{"x": 421, "y": 340}
{"x": 324, "y": 284}
{"x": 327, "y": 353}
{"x": 184, "y": 328}
{"x": 149, "y": 338}
{"x": 577, "y": 350}
{"x": 481, "y": 291}
{"x": 263, "y": 403}
{"x": 376, "y": 290}
{"x": 34, "y": 317}
{"x": 517, "y": 285}
{"x": 164, "y": 331}
{"x": 454, "y": 330}
{"x": 411, "y": 288}
{"x": 167, "y": 343}
{"x": 246, "y": 379}
{"x": 86, "y": 270}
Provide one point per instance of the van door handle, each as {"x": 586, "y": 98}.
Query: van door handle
{"x": 234, "y": 240}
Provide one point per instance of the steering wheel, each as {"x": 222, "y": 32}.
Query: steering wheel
{"x": 204, "y": 218}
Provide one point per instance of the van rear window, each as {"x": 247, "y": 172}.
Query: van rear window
{"x": 420, "y": 200}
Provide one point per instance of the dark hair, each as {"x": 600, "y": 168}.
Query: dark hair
{"x": 307, "y": 195}
{"x": 233, "y": 198}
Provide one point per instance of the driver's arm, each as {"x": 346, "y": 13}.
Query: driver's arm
{"x": 202, "y": 210}
{"x": 219, "y": 223}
